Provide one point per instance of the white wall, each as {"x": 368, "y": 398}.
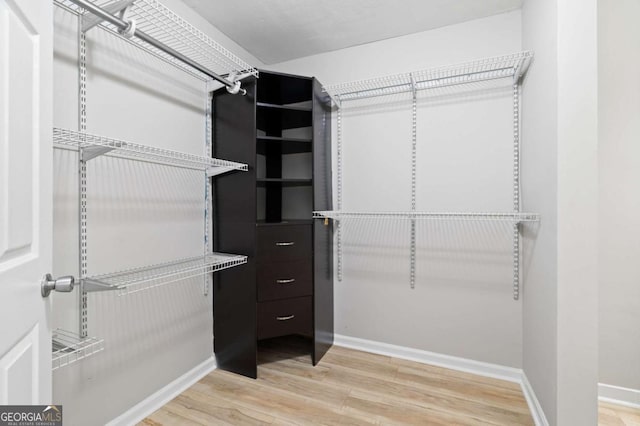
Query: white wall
{"x": 619, "y": 164}
{"x": 539, "y": 194}
{"x": 139, "y": 214}
{"x": 577, "y": 212}
{"x": 560, "y": 177}
{"x": 462, "y": 304}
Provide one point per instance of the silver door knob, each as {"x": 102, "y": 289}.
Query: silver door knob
{"x": 63, "y": 284}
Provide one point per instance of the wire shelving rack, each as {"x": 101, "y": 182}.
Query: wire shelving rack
{"x": 506, "y": 67}
{"x": 498, "y": 67}
{"x": 161, "y": 33}
{"x": 160, "y": 22}
{"x": 412, "y": 215}
{"x": 69, "y": 347}
{"x": 145, "y": 278}
{"x": 93, "y": 146}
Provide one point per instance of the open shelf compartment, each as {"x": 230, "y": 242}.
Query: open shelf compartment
{"x": 148, "y": 277}
{"x": 93, "y": 146}
{"x": 498, "y": 67}
{"x": 68, "y": 347}
{"x": 514, "y": 217}
{"x": 158, "y": 21}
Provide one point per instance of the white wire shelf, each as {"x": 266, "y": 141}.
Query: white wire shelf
{"x": 93, "y": 146}
{"x": 514, "y": 66}
{"x": 68, "y": 347}
{"x": 145, "y": 278}
{"x": 513, "y": 217}
{"x": 161, "y": 23}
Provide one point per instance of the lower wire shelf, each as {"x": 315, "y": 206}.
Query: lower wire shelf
{"x": 145, "y": 278}
{"x": 515, "y": 217}
{"x": 68, "y": 347}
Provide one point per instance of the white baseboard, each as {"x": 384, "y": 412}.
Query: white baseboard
{"x": 447, "y": 361}
{"x": 532, "y": 401}
{"x": 619, "y": 395}
{"x": 154, "y": 402}
{"x": 485, "y": 369}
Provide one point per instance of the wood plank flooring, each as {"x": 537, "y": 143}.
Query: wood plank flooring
{"x": 617, "y": 415}
{"x": 346, "y": 388}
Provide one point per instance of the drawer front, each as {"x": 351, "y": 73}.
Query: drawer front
{"x": 283, "y": 317}
{"x": 284, "y": 243}
{"x": 283, "y": 280}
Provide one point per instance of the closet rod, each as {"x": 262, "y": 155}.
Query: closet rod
{"x": 122, "y": 25}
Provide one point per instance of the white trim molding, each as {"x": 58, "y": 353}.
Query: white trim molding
{"x": 154, "y": 402}
{"x": 425, "y": 357}
{"x": 619, "y": 395}
{"x": 532, "y": 400}
{"x": 485, "y": 369}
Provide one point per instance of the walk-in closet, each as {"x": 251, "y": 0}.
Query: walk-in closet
{"x": 330, "y": 212}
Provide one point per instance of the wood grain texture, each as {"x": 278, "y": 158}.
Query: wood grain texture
{"x": 347, "y": 387}
{"x": 617, "y": 415}
{"x": 234, "y": 218}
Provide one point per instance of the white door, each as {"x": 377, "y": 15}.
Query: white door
{"x": 26, "y": 56}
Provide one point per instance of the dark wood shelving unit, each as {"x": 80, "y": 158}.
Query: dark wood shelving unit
{"x": 285, "y": 222}
{"x": 283, "y": 117}
{"x": 284, "y": 140}
{"x": 281, "y": 129}
{"x": 284, "y": 107}
{"x": 286, "y": 145}
{"x": 285, "y": 182}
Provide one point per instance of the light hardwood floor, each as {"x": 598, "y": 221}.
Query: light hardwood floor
{"x": 617, "y": 415}
{"x": 346, "y": 387}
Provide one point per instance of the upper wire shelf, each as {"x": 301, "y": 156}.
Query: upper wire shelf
{"x": 161, "y": 23}
{"x": 513, "y": 217}
{"x": 93, "y": 146}
{"x": 68, "y": 347}
{"x": 148, "y": 277}
{"x": 513, "y": 65}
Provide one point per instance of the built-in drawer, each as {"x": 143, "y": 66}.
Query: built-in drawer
{"x": 284, "y": 243}
{"x": 283, "y": 317}
{"x": 282, "y": 280}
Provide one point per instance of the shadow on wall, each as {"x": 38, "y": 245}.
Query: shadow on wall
{"x": 529, "y": 237}
{"x": 450, "y": 253}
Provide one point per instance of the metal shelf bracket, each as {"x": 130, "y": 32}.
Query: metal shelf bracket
{"x": 92, "y": 152}
{"x": 215, "y": 171}
{"x": 116, "y": 8}
{"x": 91, "y": 285}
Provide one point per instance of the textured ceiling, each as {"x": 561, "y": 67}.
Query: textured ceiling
{"x": 279, "y": 30}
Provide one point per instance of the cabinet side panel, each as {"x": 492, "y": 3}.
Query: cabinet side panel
{"x": 323, "y": 234}
{"x": 234, "y": 295}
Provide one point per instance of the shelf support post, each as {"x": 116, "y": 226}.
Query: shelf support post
{"x": 208, "y": 197}
{"x": 339, "y": 179}
{"x": 82, "y": 177}
{"x": 414, "y": 149}
{"x": 516, "y": 187}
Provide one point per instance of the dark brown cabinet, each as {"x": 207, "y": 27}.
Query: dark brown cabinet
{"x": 282, "y": 130}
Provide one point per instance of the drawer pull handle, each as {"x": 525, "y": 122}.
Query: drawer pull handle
{"x": 289, "y": 281}
{"x": 287, "y": 244}
{"x": 290, "y": 317}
